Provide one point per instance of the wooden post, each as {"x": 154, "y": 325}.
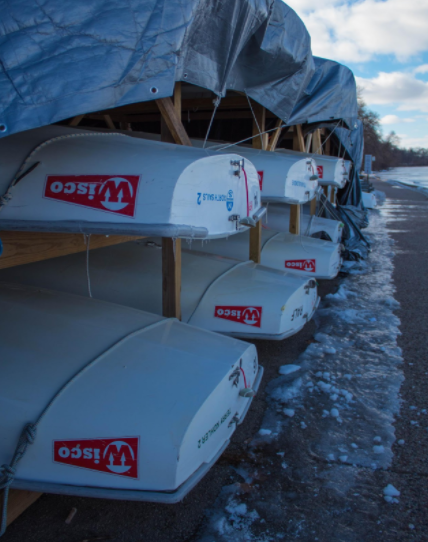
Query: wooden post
{"x": 313, "y": 206}
{"x": 298, "y": 145}
{"x": 258, "y": 143}
{"x": 298, "y": 139}
{"x": 316, "y": 142}
{"x": 171, "y": 277}
{"x": 333, "y": 196}
{"x": 295, "y": 219}
{"x": 172, "y": 130}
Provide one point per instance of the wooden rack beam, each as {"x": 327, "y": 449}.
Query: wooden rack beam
{"x": 28, "y": 247}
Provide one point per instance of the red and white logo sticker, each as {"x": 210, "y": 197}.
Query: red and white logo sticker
{"x": 111, "y": 193}
{"x": 301, "y": 265}
{"x": 260, "y": 174}
{"x": 250, "y": 316}
{"x": 320, "y": 170}
{"x": 112, "y": 455}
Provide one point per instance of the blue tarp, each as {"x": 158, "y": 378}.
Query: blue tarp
{"x": 330, "y": 96}
{"x": 61, "y": 58}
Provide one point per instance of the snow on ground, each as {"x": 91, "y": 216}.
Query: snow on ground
{"x": 340, "y": 398}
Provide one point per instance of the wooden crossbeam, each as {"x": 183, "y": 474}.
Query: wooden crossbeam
{"x": 27, "y": 247}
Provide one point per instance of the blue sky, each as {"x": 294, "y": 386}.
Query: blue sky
{"x": 385, "y": 43}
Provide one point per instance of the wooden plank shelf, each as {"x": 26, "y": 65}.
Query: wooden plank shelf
{"x": 27, "y": 247}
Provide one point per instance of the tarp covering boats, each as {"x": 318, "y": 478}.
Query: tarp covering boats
{"x": 57, "y": 63}
{"x": 220, "y": 294}
{"x": 70, "y": 180}
{"x": 146, "y": 404}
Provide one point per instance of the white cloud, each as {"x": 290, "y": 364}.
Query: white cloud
{"x": 393, "y": 119}
{"x": 413, "y": 142}
{"x": 421, "y": 69}
{"x": 395, "y": 88}
{"x": 359, "y": 31}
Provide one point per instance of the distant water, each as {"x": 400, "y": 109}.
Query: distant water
{"x": 415, "y": 177}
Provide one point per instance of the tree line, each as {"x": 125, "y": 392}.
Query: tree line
{"x": 386, "y": 149}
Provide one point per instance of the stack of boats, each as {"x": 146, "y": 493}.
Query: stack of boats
{"x": 144, "y": 405}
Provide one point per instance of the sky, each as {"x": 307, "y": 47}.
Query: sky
{"x": 385, "y": 44}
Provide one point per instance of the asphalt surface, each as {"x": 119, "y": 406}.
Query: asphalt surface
{"x": 373, "y": 521}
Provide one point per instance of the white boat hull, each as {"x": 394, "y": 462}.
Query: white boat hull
{"x": 101, "y": 182}
{"x": 302, "y": 255}
{"x": 145, "y": 421}
{"x": 330, "y": 169}
{"x": 369, "y": 200}
{"x": 283, "y": 178}
{"x": 225, "y": 295}
{"x": 278, "y": 219}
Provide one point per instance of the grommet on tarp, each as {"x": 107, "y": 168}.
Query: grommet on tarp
{"x": 3, "y": 128}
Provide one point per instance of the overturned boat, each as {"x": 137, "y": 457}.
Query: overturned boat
{"x": 62, "y": 179}
{"x": 331, "y": 170}
{"x": 303, "y": 255}
{"x": 369, "y": 200}
{"x": 225, "y": 295}
{"x": 278, "y": 218}
{"x": 141, "y": 406}
{"x": 285, "y": 178}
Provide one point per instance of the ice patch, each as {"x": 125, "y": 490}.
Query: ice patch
{"x": 288, "y": 369}
{"x": 265, "y": 432}
{"x": 289, "y": 412}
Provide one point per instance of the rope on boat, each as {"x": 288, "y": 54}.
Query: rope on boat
{"x": 29, "y": 433}
{"x": 20, "y": 174}
{"x": 216, "y": 104}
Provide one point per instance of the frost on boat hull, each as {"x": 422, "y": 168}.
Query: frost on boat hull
{"x": 278, "y": 219}
{"x": 220, "y": 294}
{"x": 100, "y": 182}
{"x": 330, "y": 169}
{"x": 144, "y": 422}
{"x": 303, "y": 255}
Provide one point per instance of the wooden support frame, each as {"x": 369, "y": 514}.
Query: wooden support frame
{"x": 298, "y": 145}
{"x": 19, "y": 501}
{"x": 172, "y": 130}
{"x": 21, "y": 247}
{"x": 258, "y": 142}
{"x": 171, "y": 277}
{"x": 173, "y": 119}
{"x": 275, "y": 137}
